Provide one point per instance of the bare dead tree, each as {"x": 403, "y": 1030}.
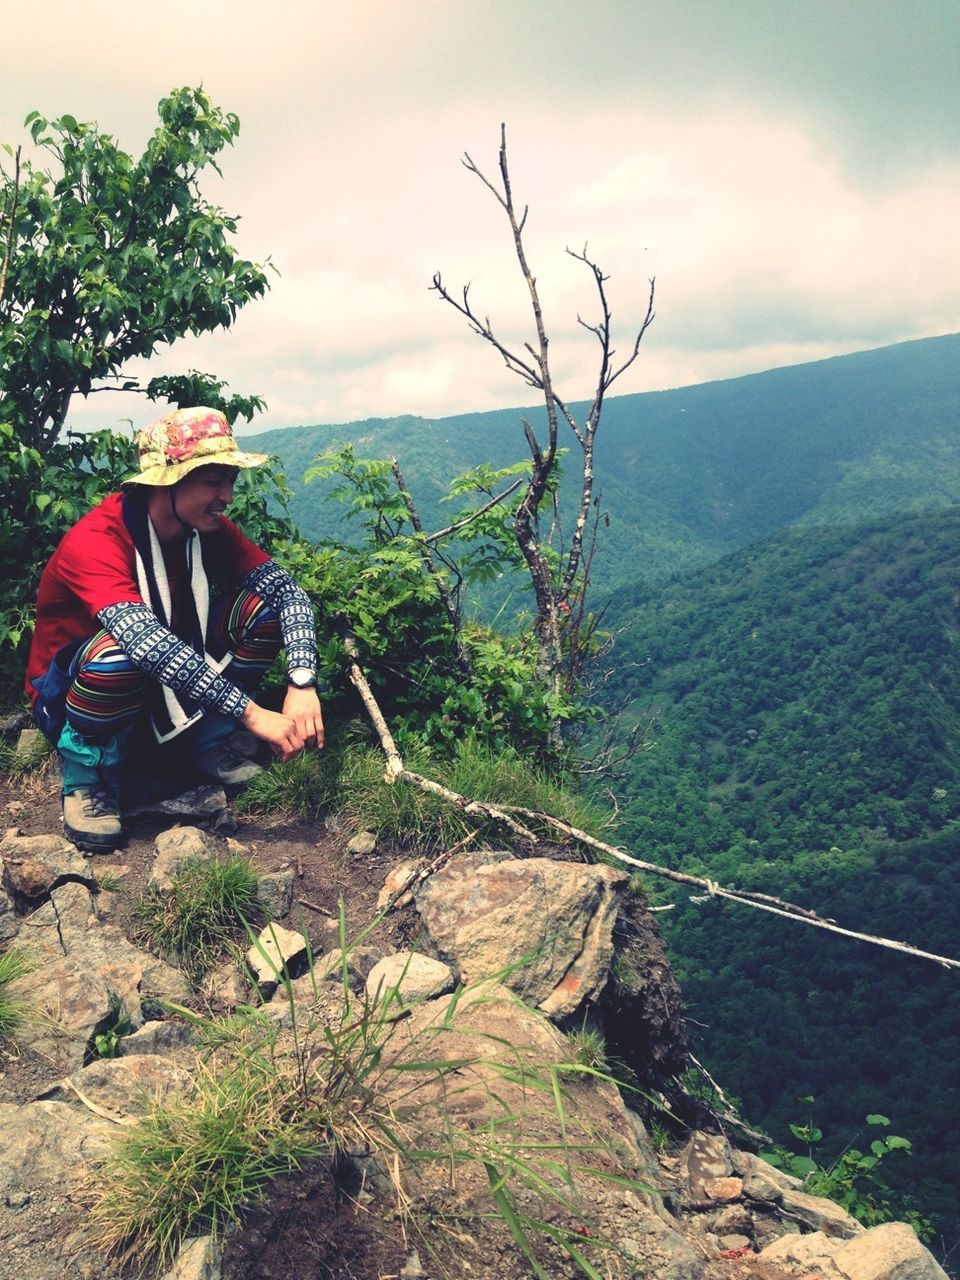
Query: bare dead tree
{"x": 552, "y": 590}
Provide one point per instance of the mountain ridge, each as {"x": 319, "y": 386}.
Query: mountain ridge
{"x": 689, "y": 474}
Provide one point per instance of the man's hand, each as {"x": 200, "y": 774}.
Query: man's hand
{"x": 275, "y": 728}
{"x": 303, "y": 708}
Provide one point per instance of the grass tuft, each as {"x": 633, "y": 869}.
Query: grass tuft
{"x": 349, "y": 779}
{"x": 204, "y": 915}
{"x": 194, "y": 1164}
{"x": 266, "y": 1099}
{"x": 13, "y": 965}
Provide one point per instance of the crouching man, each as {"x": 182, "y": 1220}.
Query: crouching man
{"x": 155, "y": 609}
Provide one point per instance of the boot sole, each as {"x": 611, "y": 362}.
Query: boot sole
{"x": 87, "y": 843}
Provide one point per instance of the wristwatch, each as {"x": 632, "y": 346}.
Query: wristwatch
{"x": 302, "y": 678}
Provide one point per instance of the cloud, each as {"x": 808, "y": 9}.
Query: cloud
{"x": 778, "y": 171}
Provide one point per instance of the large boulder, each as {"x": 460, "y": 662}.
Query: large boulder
{"x": 498, "y": 1099}
{"x": 487, "y": 915}
{"x": 84, "y": 974}
{"x": 47, "y": 1151}
{"x": 32, "y": 865}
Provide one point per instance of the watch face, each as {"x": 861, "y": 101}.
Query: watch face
{"x": 303, "y": 679}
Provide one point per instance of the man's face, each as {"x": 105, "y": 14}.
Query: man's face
{"x": 202, "y": 496}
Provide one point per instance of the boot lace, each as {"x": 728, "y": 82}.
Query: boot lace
{"x": 99, "y": 803}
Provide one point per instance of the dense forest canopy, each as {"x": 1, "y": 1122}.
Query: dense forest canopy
{"x": 807, "y": 744}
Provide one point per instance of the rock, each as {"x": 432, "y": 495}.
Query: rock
{"x": 14, "y": 722}
{"x": 226, "y": 986}
{"x": 86, "y": 972}
{"x": 412, "y": 976}
{"x": 412, "y": 1268}
{"x": 734, "y": 1219}
{"x": 761, "y": 1181}
{"x": 705, "y": 1159}
{"x": 32, "y": 865}
{"x": 396, "y": 878}
{"x": 502, "y": 1091}
{"x": 363, "y": 843}
{"x": 9, "y": 924}
{"x": 197, "y": 1260}
{"x": 47, "y": 1153}
{"x": 275, "y": 893}
{"x": 819, "y": 1214}
{"x": 155, "y": 1037}
{"x": 723, "y": 1190}
{"x": 814, "y": 1252}
{"x": 198, "y": 802}
{"x": 118, "y": 1086}
{"x": 734, "y": 1243}
{"x": 277, "y": 950}
{"x": 174, "y": 848}
{"x": 888, "y": 1252}
{"x": 65, "y": 1005}
{"x": 31, "y": 745}
{"x": 486, "y": 915}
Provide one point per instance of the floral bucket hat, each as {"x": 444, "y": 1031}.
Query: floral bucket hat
{"x": 185, "y": 439}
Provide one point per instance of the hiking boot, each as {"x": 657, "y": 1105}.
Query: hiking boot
{"x": 224, "y": 765}
{"x": 91, "y": 819}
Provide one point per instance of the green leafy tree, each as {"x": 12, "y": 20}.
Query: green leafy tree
{"x": 108, "y": 258}
{"x": 103, "y": 259}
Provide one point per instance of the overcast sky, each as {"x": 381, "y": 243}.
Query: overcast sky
{"x": 789, "y": 170}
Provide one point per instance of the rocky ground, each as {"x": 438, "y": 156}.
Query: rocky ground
{"x": 711, "y": 1212}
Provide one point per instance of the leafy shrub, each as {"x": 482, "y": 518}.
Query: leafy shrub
{"x": 854, "y": 1179}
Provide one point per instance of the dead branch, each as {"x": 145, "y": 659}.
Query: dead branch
{"x": 474, "y": 515}
{"x": 761, "y": 901}
{"x": 453, "y": 613}
{"x": 359, "y": 682}
{"x": 396, "y": 772}
{"x": 305, "y": 902}
{"x": 531, "y": 363}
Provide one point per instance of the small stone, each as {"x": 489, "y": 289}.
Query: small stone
{"x": 412, "y": 976}
{"x": 412, "y": 1269}
{"x": 275, "y": 893}
{"x": 31, "y": 744}
{"x": 154, "y": 1037}
{"x": 174, "y": 848}
{"x": 723, "y": 1190}
{"x": 734, "y": 1242}
{"x": 225, "y": 986}
{"x": 733, "y": 1220}
{"x": 277, "y": 949}
{"x": 198, "y": 802}
{"x": 18, "y": 1199}
{"x": 363, "y": 843}
{"x": 395, "y": 880}
{"x": 13, "y": 722}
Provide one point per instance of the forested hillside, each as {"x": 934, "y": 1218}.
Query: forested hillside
{"x": 689, "y": 475}
{"x": 808, "y": 745}
{"x": 781, "y": 565}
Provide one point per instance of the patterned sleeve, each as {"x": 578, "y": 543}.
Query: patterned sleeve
{"x": 156, "y": 650}
{"x": 292, "y": 605}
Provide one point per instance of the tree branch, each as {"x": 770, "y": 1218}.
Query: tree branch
{"x": 460, "y": 653}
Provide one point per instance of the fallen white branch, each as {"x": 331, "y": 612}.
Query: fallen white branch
{"x": 397, "y": 772}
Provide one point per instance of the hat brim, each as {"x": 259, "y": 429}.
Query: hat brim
{"x": 175, "y": 471}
